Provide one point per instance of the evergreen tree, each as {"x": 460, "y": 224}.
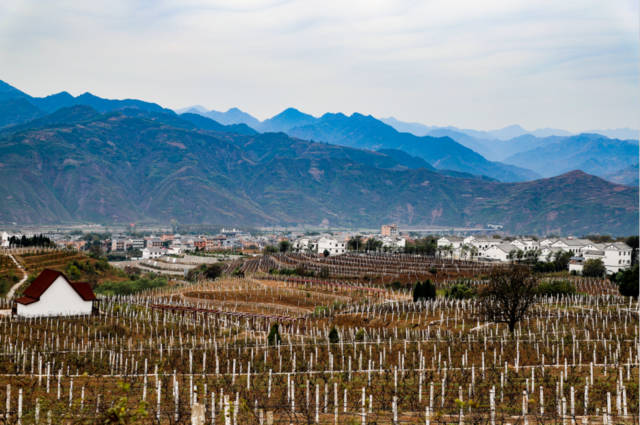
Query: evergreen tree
{"x": 274, "y": 335}
{"x": 424, "y": 291}
{"x": 334, "y": 338}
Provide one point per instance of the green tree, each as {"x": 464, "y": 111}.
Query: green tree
{"x": 424, "y": 246}
{"x": 270, "y": 249}
{"x": 213, "y": 271}
{"x": 372, "y": 245}
{"x": 632, "y": 241}
{"x": 355, "y": 243}
{"x": 594, "y": 268}
{"x": 284, "y": 246}
{"x": 73, "y": 272}
{"x": 628, "y": 282}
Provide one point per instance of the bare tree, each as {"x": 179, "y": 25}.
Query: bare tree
{"x": 508, "y": 295}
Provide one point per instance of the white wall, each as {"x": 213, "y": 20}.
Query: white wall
{"x": 616, "y": 260}
{"x": 60, "y": 299}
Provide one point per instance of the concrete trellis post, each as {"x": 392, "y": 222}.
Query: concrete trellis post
{"x": 492, "y": 405}
{"x": 227, "y": 411}
{"x": 525, "y": 407}
{"x": 364, "y": 412}
{"x": 394, "y": 408}
{"x": 8, "y": 408}
{"x": 158, "y": 398}
{"x": 335, "y": 401}
{"x": 19, "y": 406}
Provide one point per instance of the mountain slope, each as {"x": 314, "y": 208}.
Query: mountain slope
{"x": 121, "y": 167}
{"x": 627, "y": 176}
{"x": 366, "y": 132}
{"x": 17, "y": 107}
{"x": 592, "y": 153}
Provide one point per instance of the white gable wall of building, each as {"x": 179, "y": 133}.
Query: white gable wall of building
{"x": 617, "y": 257}
{"x": 332, "y": 246}
{"x": 60, "y": 299}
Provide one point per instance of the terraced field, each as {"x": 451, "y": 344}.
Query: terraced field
{"x": 344, "y": 352}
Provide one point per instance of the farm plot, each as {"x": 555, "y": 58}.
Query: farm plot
{"x": 373, "y": 268}
{"x": 364, "y": 359}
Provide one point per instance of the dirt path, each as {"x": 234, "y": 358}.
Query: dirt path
{"x": 17, "y": 285}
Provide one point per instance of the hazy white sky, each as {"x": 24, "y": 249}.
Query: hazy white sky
{"x": 475, "y": 64}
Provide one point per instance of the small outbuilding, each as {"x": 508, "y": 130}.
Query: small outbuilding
{"x": 52, "y": 294}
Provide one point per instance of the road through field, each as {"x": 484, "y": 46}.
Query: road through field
{"x": 17, "y": 285}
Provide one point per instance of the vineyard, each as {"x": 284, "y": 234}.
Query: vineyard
{"x": 376, "y": 268}
{"x": 352, "y": 349}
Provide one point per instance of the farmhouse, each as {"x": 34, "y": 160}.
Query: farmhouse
{"x": 332, "y": 246}
{"x": 52, "y": 294}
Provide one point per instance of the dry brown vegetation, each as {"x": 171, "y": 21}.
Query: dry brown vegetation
{"x": 433, "y": 361}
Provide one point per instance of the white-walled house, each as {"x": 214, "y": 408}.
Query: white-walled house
{"x": 452, "y": 241}
{"x": 548, "y": 253}
{"x": 52, "y": 294}
{"x": 4, "y": 240}
{"x": 153, "y": 252}
{"x": 499, "y": 252}
{"x": 393, "y": 243}
{"x": 617, "y": 256}
{"x": 576, "y": 265}
{"x": 304, "y": 244}
{"x": 332, "y": 246}
{"x": 483, "y": 244}
{"x": 574, "y": 246}
{"x": 526, "y": 244}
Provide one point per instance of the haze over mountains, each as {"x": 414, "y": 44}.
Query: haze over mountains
{"x": 84, "y": 158}
{"x": 508, "y": 154}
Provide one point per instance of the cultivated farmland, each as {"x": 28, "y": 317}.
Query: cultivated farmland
{"x": 349, "y": 348}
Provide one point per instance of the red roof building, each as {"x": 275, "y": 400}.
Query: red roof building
{"x": 52, "y": 294}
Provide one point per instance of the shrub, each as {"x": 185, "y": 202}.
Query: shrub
{"x": 460, "y": 291}
{"x": 556, "y": 287}
{"x": 129, "y": 287}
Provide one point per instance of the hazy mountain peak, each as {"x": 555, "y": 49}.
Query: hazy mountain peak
{"x": 286, "y": 120}
{"x": 7, "y": 91}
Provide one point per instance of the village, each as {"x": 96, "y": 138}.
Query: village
{"x": 615, "y": 255}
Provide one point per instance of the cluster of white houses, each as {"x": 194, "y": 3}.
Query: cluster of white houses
{"x": 615, "y": 255}
{"x": 329, "y": 245}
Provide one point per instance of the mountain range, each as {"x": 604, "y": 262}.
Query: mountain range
{"x": 128, "y": 160}
{"x": 500, "y": 154}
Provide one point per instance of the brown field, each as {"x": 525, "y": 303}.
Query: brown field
{"x": 437, "y": 357}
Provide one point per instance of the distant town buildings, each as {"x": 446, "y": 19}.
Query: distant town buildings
{"x": 389, "y": 230}
{"x": 615, "y": 256}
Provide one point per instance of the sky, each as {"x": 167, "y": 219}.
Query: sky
{"x": 485, "y": 64}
